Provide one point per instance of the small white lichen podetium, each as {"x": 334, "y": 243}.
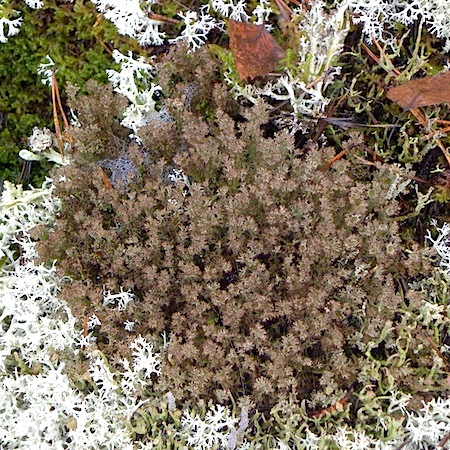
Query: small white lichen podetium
{"x": 45, "y": 70}
{"x": 211, "y": 432}
{"x": 322, "y": 34}
{"x": 122, "y": 299}
{"x": 428, "y": 427}
{"x": 442, "y": 245}
{"x": 21, "y": 210}
{"x": 132, "y": 18}
{"x": 319, "y": 48}
{"x": 142, "y": 108}
{"x": 9, "y": 21}
{"x": 197, "y": 26}
{"x": 12, "y": 27}
{"x": 379, "y": 17}
{"x": 42, "y": 147}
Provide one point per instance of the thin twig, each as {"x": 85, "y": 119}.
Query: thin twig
{"x": 107, "y": 49}
{"x": 55, "y": 116}
{"x": 334, "y": 159}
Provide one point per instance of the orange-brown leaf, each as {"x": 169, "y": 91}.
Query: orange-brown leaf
{"x": 105, "y": 179}
{"x": 431, "y": 90}
{"x": 254, "y": 49}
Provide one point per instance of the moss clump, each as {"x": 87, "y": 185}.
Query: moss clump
{"x": 270, "y": 277}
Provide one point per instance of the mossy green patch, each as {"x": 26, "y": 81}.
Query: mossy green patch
{"x": 67, "y": 33}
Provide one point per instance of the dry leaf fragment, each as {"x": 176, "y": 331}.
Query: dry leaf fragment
{"x": 254, "y": 49}
{"x": 105, "y": 179}
{"x": 431, "y": 90}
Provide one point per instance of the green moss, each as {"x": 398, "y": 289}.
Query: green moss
{"x": 66, "y": 32}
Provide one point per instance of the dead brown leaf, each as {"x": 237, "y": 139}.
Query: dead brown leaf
{"x": 254, "y": 49}
{"x": 427, "y": 91}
